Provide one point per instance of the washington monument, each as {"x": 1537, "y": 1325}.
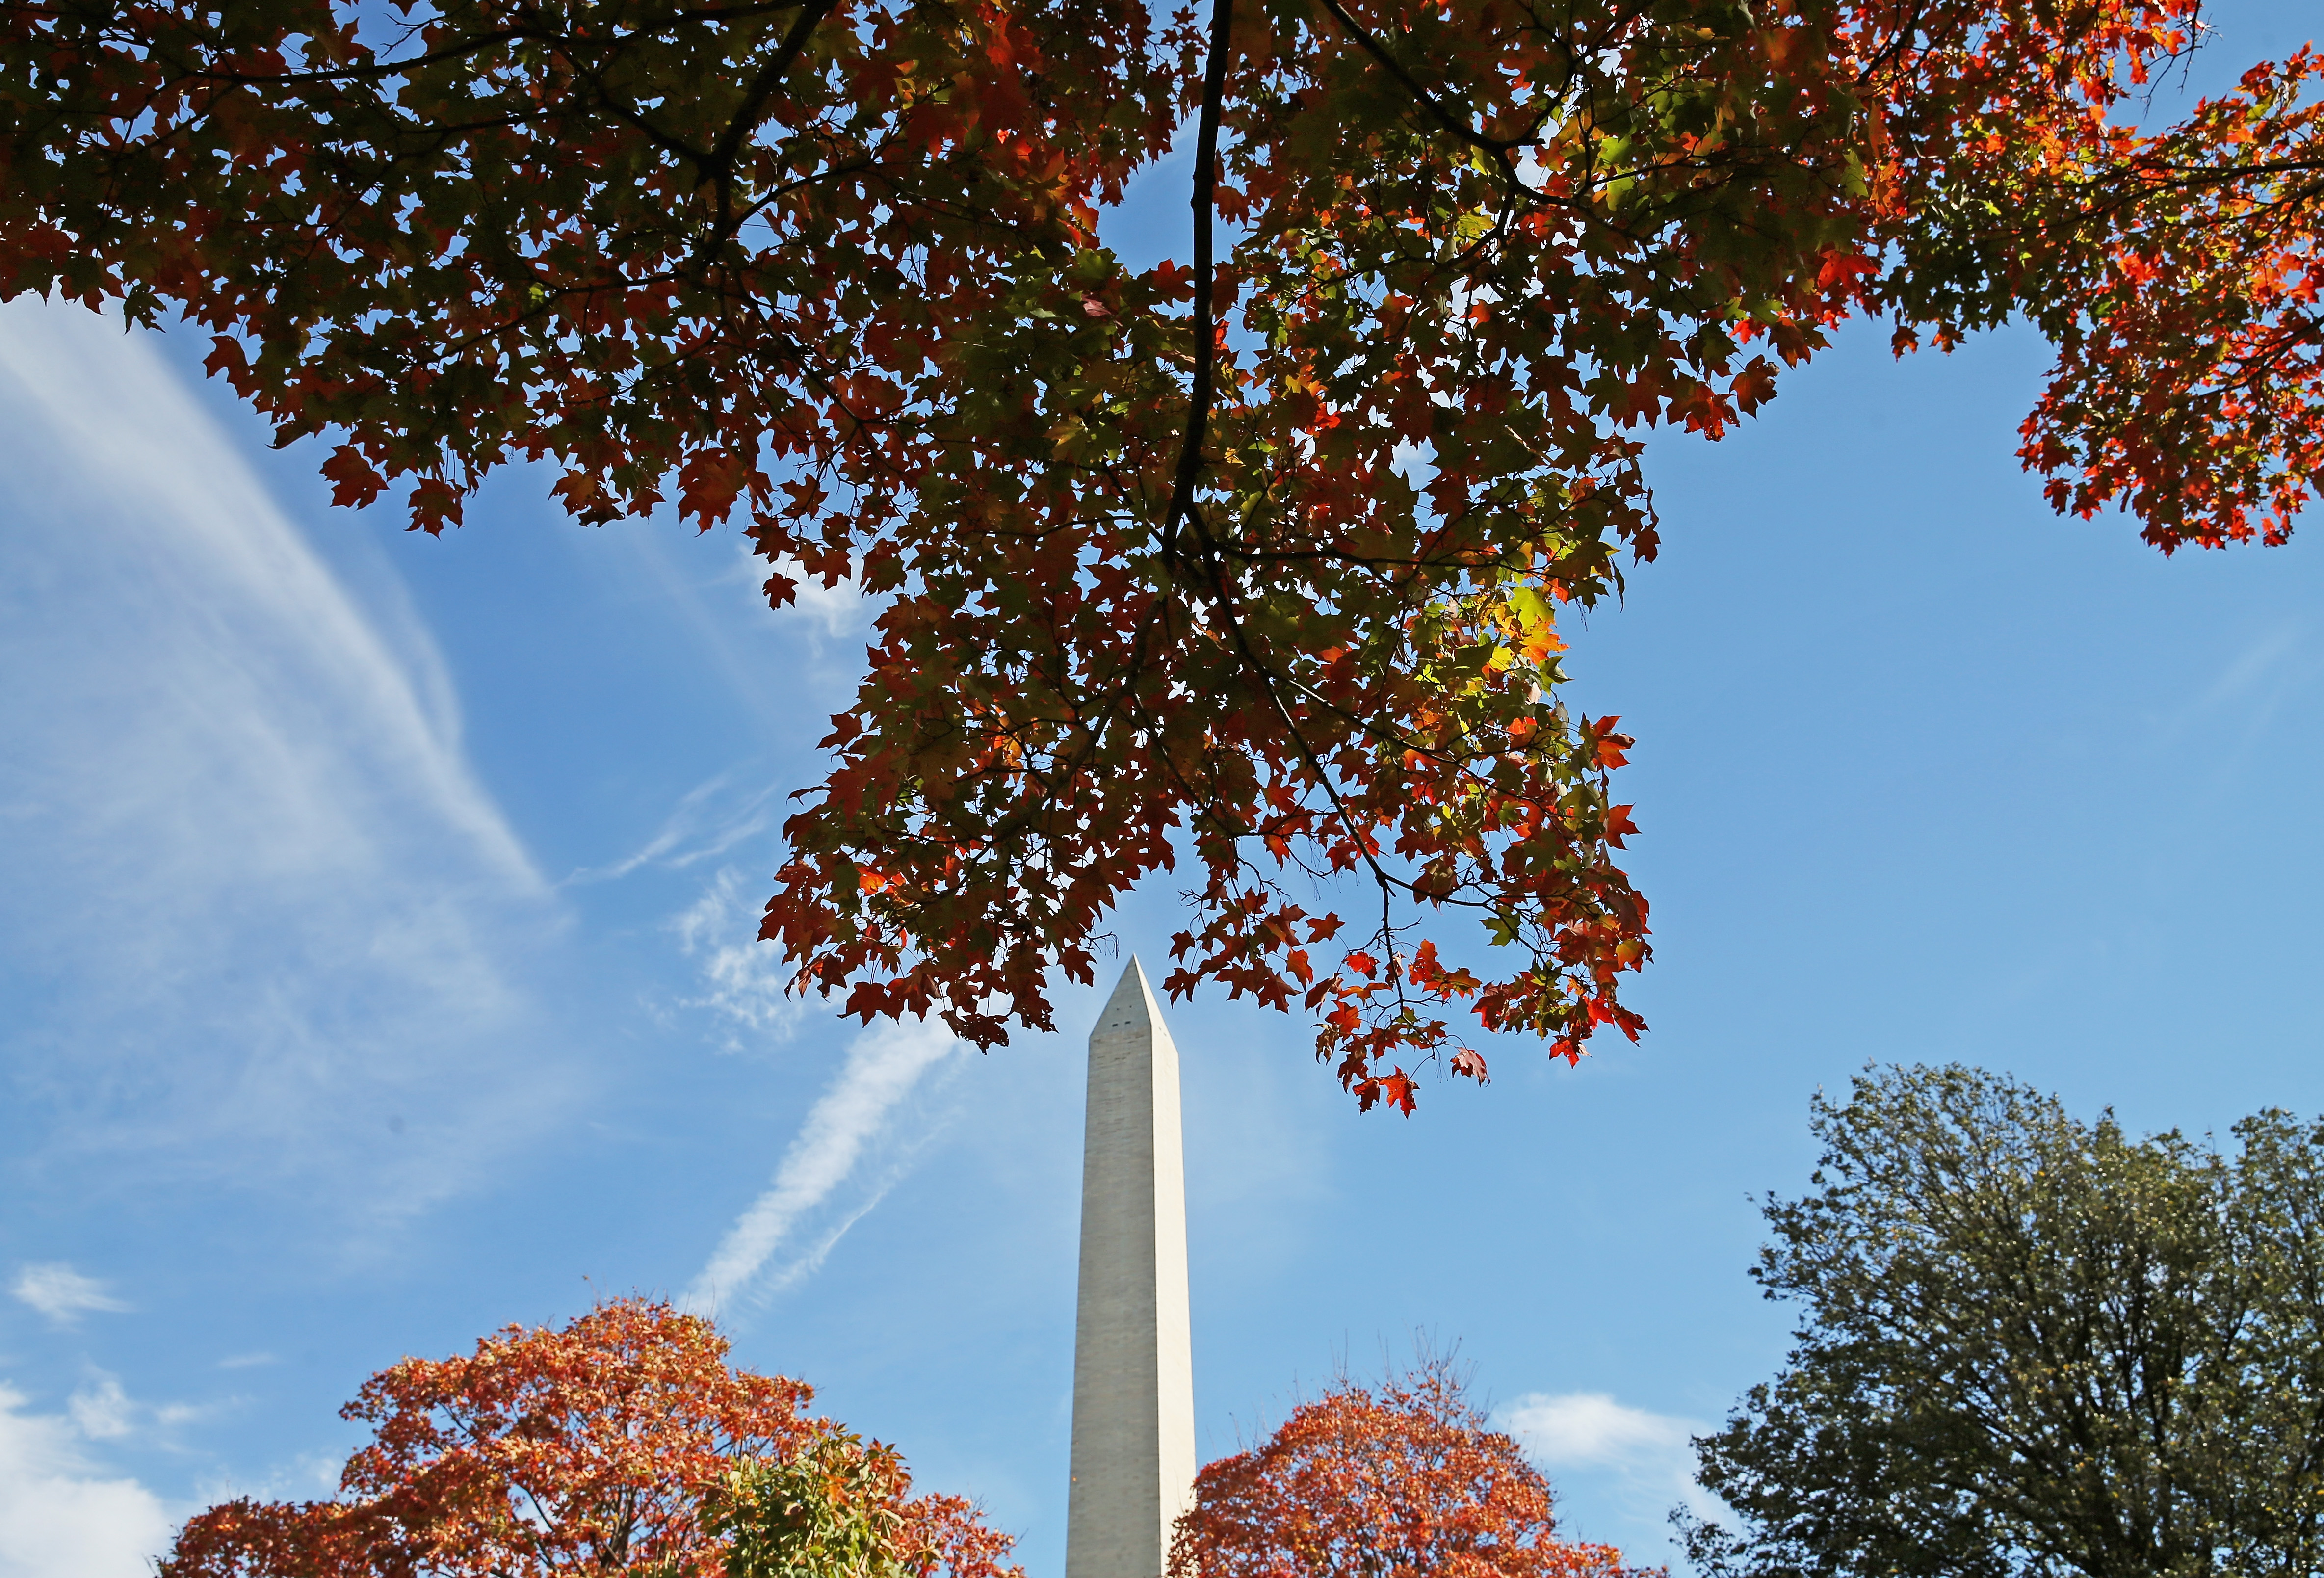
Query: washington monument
{"x": 1133, "y": 1462}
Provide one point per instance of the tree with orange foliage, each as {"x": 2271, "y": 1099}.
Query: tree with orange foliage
{"x": 1402, "y": 1480}
{"x": 621, "y": 1443}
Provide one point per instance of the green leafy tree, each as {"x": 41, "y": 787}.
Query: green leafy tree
{"x": 837, "y": 1509}
{"x": 2032, "y": 1347}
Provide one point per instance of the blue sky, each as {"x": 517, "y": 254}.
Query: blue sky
{"x": 375, "y": 963}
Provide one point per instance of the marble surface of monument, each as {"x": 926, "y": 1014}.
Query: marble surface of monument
{"x": 1133, "y": 1429}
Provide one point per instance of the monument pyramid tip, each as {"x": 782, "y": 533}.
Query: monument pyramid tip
{"x": 1131, "y": 996}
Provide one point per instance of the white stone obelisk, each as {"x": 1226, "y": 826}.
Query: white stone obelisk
{"x": 1133, "y": 1354}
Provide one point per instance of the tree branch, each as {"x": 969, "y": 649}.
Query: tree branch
{"x": 1372, "y": 45}
{"x": 1206, "y": 317}
{"x": 771, "y": 77}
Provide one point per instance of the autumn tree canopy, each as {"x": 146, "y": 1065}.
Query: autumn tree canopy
{"x": 620, "y": 1442}
{"x": 1400, "y": 1480}
{"x": 2032, "y": 1347}
{"x": 1248, "y": 566}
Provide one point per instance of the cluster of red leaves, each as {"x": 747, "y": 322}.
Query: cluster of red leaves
{"x": 604, "y": 1446}
{"x": 1402, "y": 1480}
{"x": 831, "y": 266}
{"x": 2175, "y": 269}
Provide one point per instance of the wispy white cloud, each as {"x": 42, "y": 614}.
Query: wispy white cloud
{"x": 102, "y": 1411}
{"x": 1590, "y": 1429}
{"x": 2237, "y": 710}
{"x": 883, "y": 1065}
{"x": 264, "y": 897}
{"x": 1646, "y": 1460}
{"x": 63, "y": 1294}
{"x": 2257, "y": 675}
{"x": 744, "y": 980}
{"x": 59, "y": 1518}
{"x": 710, "y": 820}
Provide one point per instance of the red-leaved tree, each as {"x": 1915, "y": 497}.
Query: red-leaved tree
{"x": 1249, "y": 565}
{"x": 1401, "y": 1479}
{"x": 620, "y": 1442}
